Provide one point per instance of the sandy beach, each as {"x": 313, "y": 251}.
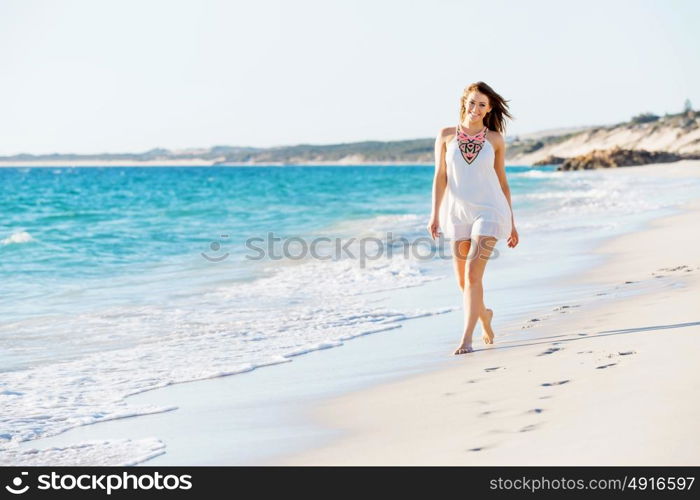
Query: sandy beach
{"x": 607, "y": 381}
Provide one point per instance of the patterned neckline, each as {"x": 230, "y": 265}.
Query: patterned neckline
{"x": 470, "y": 145}
{"x": 460, "y": 131}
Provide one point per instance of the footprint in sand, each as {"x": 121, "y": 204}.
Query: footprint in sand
{"x": 561, "y": 308}
{"x": 601, "y": 367}
{"x": 535, "y": 410}
{"x": 479, "y": 448}
{"x": 472, "y": 381}
{"x": 550, "y": 384}
{"x": 673, "y": 269}
{"x": 498, "y": 431}
{"x": 530, "y": 323}
{"x": 550, "y": 351}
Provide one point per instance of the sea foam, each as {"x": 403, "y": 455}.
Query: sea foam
{"x": 230, "y": 329}
{"x": 18, "y": 237}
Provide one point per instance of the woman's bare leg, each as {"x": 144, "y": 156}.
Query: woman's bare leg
{"x": 474, "y": 308}
{"x": 488, "y": 335}
{"x": 460, "y": 253}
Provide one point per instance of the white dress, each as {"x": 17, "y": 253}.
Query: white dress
{"x": 474, "y": 203}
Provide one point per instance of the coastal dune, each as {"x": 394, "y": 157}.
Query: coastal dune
{"x": 610, "y": 380}
{"x": 678, "y": 134}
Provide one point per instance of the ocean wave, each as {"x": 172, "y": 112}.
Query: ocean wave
{"x": 567, "y": 195}
{"x": 538, "y": 174}
{"x": 18, "y": 237}
{"x": 584, "y": 201}
{"x": 113, "y": 452}
{"x": 230, "y": 329}
{"x": 379, "y": 225}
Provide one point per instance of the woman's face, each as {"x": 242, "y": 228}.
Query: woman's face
{"x": 477, "y": 105}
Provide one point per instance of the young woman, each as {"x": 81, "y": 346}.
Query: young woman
{"x": 471, "y": 198}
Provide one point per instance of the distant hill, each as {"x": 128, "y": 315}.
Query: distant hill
{"x": 678, "y": 134}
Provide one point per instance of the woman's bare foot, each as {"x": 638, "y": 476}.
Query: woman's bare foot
{"x": 486, "y": 325}
{"x": 464, "y": 349}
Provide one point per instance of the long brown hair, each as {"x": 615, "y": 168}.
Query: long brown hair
{"x": 494, "y": 119}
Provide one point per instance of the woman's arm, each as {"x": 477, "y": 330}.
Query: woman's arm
{"x": 440, "y": 177}
{"x": 500, "y": 166}
{"x": 439, "y": 181}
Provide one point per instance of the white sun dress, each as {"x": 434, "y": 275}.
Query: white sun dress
{"x": 474, "y": 203}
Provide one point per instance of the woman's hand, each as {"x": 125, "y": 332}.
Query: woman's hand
{"x": 513, "y": 240}
{"x": 434, "y": 226}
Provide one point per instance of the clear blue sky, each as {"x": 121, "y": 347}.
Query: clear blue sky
{"x": 95, "y": 76}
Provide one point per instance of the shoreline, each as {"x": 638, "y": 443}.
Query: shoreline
{"x": 592, "y": 383}
{"x": 247, "y": 418}
{"x": 284, "y": 415}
